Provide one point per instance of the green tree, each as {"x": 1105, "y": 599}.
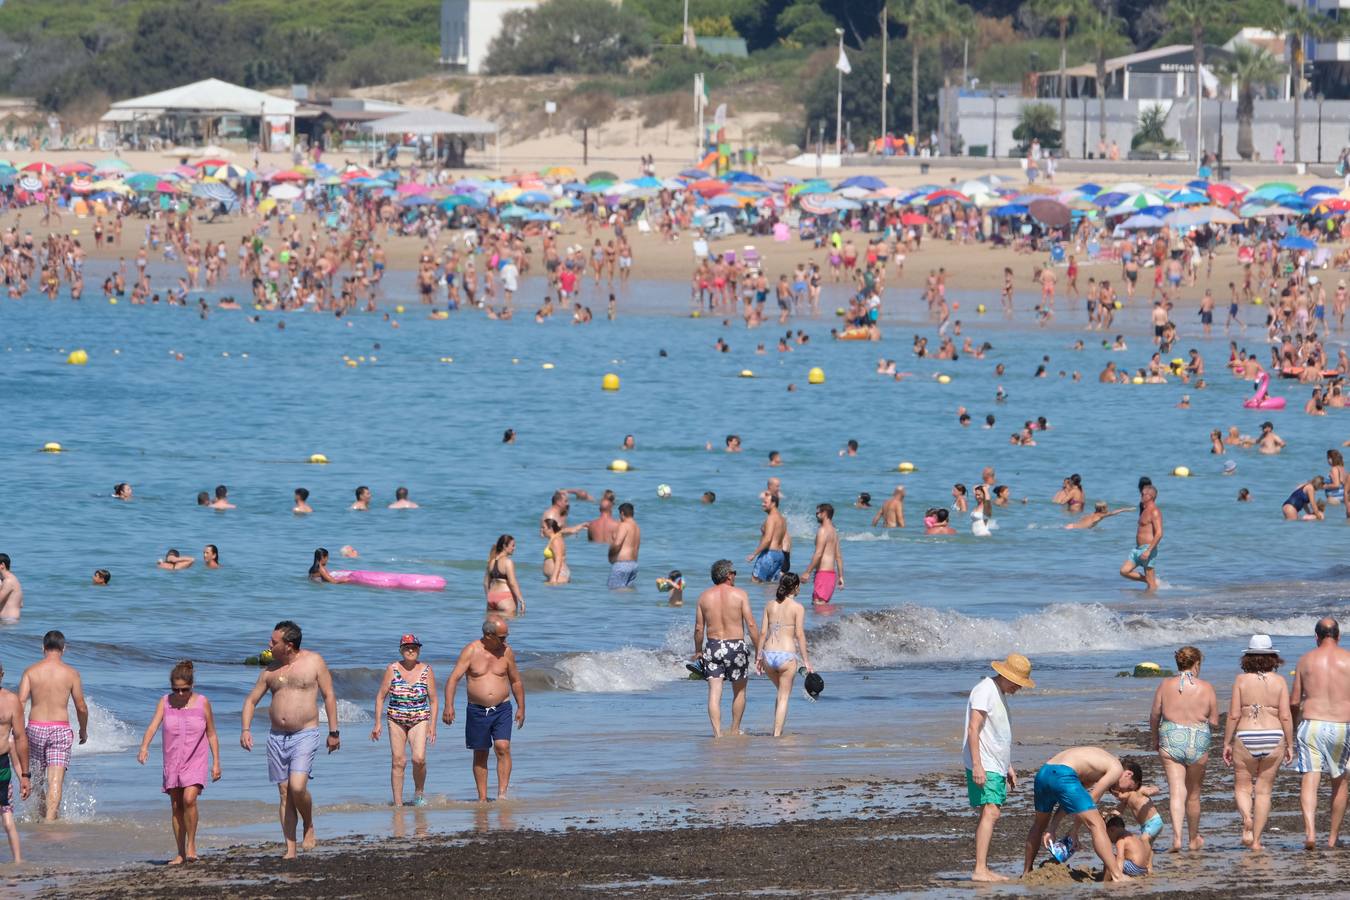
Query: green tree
{"x": 588, "y": 36}
{"x": 1151, "y": 128}
{"x": 1103, "y": 32}
{"x": 862, "y": 95}
{"x": 928, "y": 23}
{"x": 1061, "y": 12}
{"x": 1193, "y": 17}
{"x": 1248, "y": 68}
{"x": 806, "y": 25}
{"x": 1297, "y": 24}
{"x": 1036, "y": 121}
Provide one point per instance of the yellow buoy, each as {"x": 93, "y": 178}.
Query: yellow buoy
{"x": 746, "y": 373}
{"x": 906, "y": 467}
{"x": 1138, "y": 379}
{"x": 1257, "y": 301}
{"x": 1181, "y": 472}
{"x": 610, "y": 382}
{"x": 619, "y": 465}
{"x": 548, "y": 365}
{"x": 399, "y": 309}
{"x": 816, "y": 376}
{"x": 1148, "y": 665}
{"x": 112, "y": 301}
{"x": 944, "y": 379}
{"x": 696, "y": 314}
{"x": 980, "y": 309}
{"x": 352, "y": 364}
{"x": 77, "y": 358}
{"x": 318, "y": 459}
{"x": 1119, "y": 305}
{"x": 52, "y": 447}
{"x": 839, "y": 311}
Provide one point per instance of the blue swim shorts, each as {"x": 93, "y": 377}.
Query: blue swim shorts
{"x": 485, "y": 725}
{"x": 768, "y": 565}
{"x": 289, "y": 752}
{"x": 1059, "y": 786}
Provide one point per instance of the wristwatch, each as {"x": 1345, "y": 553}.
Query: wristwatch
{"x": 332, "y": 734}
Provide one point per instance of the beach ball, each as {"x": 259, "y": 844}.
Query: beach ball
{"x": 980, "y": 309}
{"x": 77, "y": 358}
{"x": 816, "y": 376}
{"x": 663, "y": 491}
{"x": 1119, "y": 305}
{"x": 610, "y": 382}
{"x": 399, "y": 309}
{"x": 52, "y": 447}
{"x": 839, "y": 311}
{"x": 619, "y": 465}
{"x": 944, "y": 379}
{"x": 1138, "y": 379}
{"x": 906, "y": 467}
{"x": 1257, "y": 301}
{"x": 746, "y": 373}
{"x": 351, "y": 364}
{"x": 1181, "y": 472}
{"x": 318, "y": 459}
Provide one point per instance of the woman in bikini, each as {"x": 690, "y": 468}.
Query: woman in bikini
{"x": 1260, "y": 720}
{"x": 410, "y": 687}
{"x": 784, "y": 637}
{"x": 319, "y": 570}
{"x": 1184, "y": 710}
{"x": 499, "y": 579}
{"x": 555, "y": 555}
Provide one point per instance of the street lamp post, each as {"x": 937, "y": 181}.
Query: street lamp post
{"x": 996, "y": 95}
{"x": 1083, "y": 97}
{"x": 1219, "y": 161}
{"x": 1320, "y": 99}
{"x": 839, "y": 101}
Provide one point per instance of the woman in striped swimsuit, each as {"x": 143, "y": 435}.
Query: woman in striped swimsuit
{"x": 1260, "y": 721}
{"x": 409, "y": 686}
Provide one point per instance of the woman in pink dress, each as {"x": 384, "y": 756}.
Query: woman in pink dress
{"x": 189, "y": 728}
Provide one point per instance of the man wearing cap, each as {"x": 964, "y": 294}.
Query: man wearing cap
{"x": 988, "y": 728}
{"x": 1320, "y": 703}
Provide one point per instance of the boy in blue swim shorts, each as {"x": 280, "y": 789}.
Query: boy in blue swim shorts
{"x": 1062, "y": 789}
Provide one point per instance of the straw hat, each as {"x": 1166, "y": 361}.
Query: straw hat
{"x": 1259, "y": 644}
{"x": 1016, "y": 668}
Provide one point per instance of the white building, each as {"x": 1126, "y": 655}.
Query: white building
{"x": 468, "y": 27}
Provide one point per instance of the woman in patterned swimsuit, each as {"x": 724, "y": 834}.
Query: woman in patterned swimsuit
{"x": 409, "y": 686}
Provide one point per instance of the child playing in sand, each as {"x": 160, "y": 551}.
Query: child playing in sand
{"x": 1135, "y": 853}
{"x": 1140, "y": 803}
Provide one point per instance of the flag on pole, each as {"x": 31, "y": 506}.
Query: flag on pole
{"x": 720, "y": 115}
{"x": 843, "y": 64}
{"x": 1209, "y": 82}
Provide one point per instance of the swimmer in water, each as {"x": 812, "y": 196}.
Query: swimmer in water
{"x": 211, "y": 556}
{"x": 555, "y": 555}
{"x": 318, "y": 571}
{"x": 674, "y": 585}
{"x": 222, "y": 500}
{"x": 102, "y": 576}
{"x": 122, "y": 491}
{"x": 1269, "y": 442}
{"x": 203, "y": 498}
{"x": 499, "y": 578}
{"x": 1099, "y": 512}
{"x": 935, "y": 522}
{"x": 11, "y": 592}
{"x": 174, "y": 561}
{"x": 401, "y": 500}
{"x": 302, "y": 506}
{"x": 892, "y": 512}
{"x": 362, "y": 499}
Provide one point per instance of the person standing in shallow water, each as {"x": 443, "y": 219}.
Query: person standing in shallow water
{"x": 1320, "y": 703}
{"x": 723, "y": 616}
{"x": 493, "y": 679}
{"x": 1260, "y": 735}
{"x": 784, "y": 634}
{"x": 1185, "y": 708}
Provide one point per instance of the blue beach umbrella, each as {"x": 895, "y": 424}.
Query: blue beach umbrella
{"x": 1008, "y": 210}
{"x": 1297, "y": 242}
{"x": 866, "y": 182}
{"x": 1110, "y": 199}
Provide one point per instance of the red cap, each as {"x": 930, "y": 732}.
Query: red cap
{"x": 409, "y": 638}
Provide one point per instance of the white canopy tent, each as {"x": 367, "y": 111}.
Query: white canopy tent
{"x": 211, "y": 98}
{"x": 436, "y": 123}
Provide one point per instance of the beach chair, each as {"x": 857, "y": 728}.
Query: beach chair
{"x": 1057, "y": 254}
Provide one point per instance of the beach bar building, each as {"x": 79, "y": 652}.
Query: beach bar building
{"x": 205, "y": 110}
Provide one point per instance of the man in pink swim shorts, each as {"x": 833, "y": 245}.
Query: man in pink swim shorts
{"x": 827, "y": 563}
{"x": 52, "y": 685}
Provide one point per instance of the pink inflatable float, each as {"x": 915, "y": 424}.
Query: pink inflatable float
{"x": 1262, "y": 400}
{"x": 407, "y": 581}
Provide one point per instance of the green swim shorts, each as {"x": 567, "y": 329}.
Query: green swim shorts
{"x": 995, "y": 790}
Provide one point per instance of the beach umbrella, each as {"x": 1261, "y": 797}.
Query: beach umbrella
{"x": 1223, "y": 194}
{"x": 602, "y": 178}
{"x": 214, "y": 190}
{"x": 726, "y": 201}
{"x": 560, "y": 172}
{"x": 457, "y": 200}
{"x": 412, "y": 187}
{"x": 693, "y": 173}
{"x": 815, "y": 206}
{"x": 1214, "y": 216}
{"x": 81, "y": 185}
{"x": 1009, "y": 209}
{"x": 913, "y": 218}
{"x": 1198, "y": 184}
{"x": 1319, "y": 190}
{"x": 417, "y": 200}
{"x": 514, "y": 212}
{"x": 41, "y": 168}
{"x": 1256, "y": 211}
{"x": 111, "y": 165}
{"x": 1141, "y": 222}
{"x": 1334, "y": 204}
{"x": 141, "y": 181}
{"x": 1049, "y": 212}
{"x": 737, "y": 177}
{"x": 1188, "y": 197}
{"x": 284, "y": 192}
{"x": 288, "y": 175}
{"x": 976, "y": 189}
{"x": 854, "y": 193}
{"x": 947, "y": 194}
{"x": 7, "y": 178}
{"x": 1109, "y": 199}
{"x": 1185, "y": 218}
{"x": 535, "y": 198}
{"x": 708, "y": 187}
{"x": 538, "y": 217}
{"x": 110, "y": 185}
{"x": 74, "y": 168}
{"x": 565, "y": 203}
{"x": 1297, "y": 242}
{"x": 1275, "y": 188}
{"x": 30, "y": 183}
{"x": 1089, "y": 189}
{"x": 866, "y": 182}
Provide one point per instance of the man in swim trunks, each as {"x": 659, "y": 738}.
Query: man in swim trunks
{"x": 623, "y": 550}
{"x": 11, "y": 592}
{"x": 1320, "y": 702}
{"x": 493, "y": 679}
{"x": 1139, "y": 567}
{"x": 768, "y": 554}
{"x": 892, "y": 512}
{"x": 52, "y": 685}
{"x": 13, "y": 751}
{"x": 601, "y": 529}
{"x": 988, "y": 732}
{"x": 723, "y": 616}
{"x": 826, "y": 561}
{"x": 1062, "y": 789}
{"x": 401, "y": 500}
{"x": 295, "y": 679}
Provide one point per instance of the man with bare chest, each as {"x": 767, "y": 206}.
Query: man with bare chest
{"x": 294, "y": 678}
{"x": 493, "y": 679}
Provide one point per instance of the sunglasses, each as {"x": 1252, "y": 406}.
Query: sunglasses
{"x": 182, "y": 690}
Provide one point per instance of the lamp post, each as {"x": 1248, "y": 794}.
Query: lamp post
{"x": 1320, "y": 99}
{"x": 996, "y": 95}
{"x": 839, "y": 101}
{"x": 1219, "y": 160}
{"x": 1083, "y": 97}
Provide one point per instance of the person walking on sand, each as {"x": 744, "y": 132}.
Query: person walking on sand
{"x": 295, "y": 678}
{"x": 493, "y": 679}
{"x": 723, "y": 616}
{"x": 13, "y": 752}
{"x": 1147, "y": 535}
{"x": 51, "y": 686}
{"x": 1320, "y": 702}
{"x": 783, "y": 628}
{"x": 989, "y": 728}
{"x": 623, "y": 550}
{"x": 1062, "y": 789}
{"x": 827, "y": 562}
{"x": 189, "y": 731}
{"x": 409, "y": 685}
{"x": 1184, "y": 710}
{"x": 1259, "y": 736}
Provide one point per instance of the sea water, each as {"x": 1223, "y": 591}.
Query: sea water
{"x": 614, "y": 726}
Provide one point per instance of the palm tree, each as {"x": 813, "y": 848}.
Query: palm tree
{"x": 1248, "y": 67}
{"x": 1297, "y": 24}
{"x": 953, "y": 23}
{"x": 919, "y": 18}
{"x": 1193, "y": 17}
{"x": 1061, "y": 11}
{"x": 1103, "y": 31}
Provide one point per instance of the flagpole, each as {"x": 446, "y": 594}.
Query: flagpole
{"x": 885, "y": 73}
{"x": 839, "y": 102}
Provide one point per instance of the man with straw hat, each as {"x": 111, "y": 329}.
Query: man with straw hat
{"x": 989, "y": 730}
